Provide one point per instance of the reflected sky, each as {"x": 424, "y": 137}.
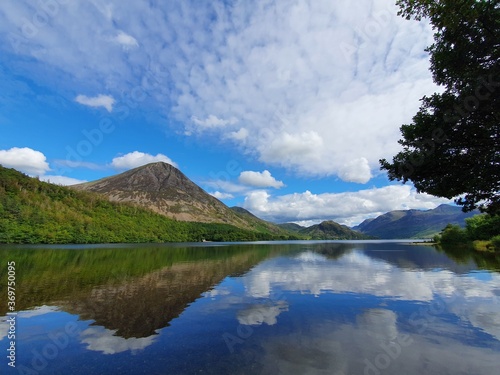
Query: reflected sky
{"x": 350, "y": 308}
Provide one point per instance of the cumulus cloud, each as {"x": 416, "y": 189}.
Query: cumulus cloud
{"x": 349, "y": 208}
{"x": 259, "y": 179}
{"x": 136, "y": 159}
{"x": 356, "y": 170}
{"x": 25, "y": 159}
{"x": 104, "y": 101}
{"x": 320, "y": 87}
{"x": 126, "y": 40}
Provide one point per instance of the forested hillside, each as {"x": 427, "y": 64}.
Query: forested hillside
{"x": 32, "y": 211}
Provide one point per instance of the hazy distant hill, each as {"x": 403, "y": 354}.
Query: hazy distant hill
{"x": 413, "y": 223}
{"x": 330, "y": 230}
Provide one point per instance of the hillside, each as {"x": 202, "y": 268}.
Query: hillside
{"x": 164, "y": 189}
{"x": 32, "y": 211}
{"x": 330, "y": 230}
{"x": 292, "y": 227}
{"x": 255, "y": 223}
{"x": 413, "y": 223}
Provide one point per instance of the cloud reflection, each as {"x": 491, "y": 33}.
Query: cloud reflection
{"x": 470, "y": 299}
{"x": 103, "y": 340}
{"x": 259, "y": 314}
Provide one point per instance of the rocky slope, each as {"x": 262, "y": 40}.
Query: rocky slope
{"x": 164, "y": 189}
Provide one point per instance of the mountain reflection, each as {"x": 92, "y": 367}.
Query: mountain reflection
{"x": 139, "y": 306}
{"x": 131, "y": 292}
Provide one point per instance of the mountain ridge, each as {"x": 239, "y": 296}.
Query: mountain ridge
{"x": 413, "y": 223}
{"x": 164, "y": 189}
{"x": 331, "y": 230}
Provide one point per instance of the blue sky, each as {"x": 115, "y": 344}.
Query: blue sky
{"x": 282, "y": 107}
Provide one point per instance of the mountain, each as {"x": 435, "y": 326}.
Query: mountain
{"x": 164, "y": 189}
{"x": 330, "y": 230}
{"x": 414, "y": 223}
{"x": 33, "y": 211}
{"x": 291, "y": 227}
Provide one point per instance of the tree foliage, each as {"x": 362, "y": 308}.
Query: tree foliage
{"x": 452, "y": 147}
{"x": 483, "y": 227}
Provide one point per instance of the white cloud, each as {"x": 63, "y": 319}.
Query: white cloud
{"x": 320, "y": 87}
{"x": 301, "y": 150}
{"x": 213, "y": 122}
{"x": 259, "y": 179}
{"x": 239, "y": 135}
{"x": 136, "y": 159}
{"x": 105, "y": 101}
{"x": 357, "y": 170}
{"x": 24, "y": 159}
{"x": 220, "y": 195}
{"x": 61, "y": 180}
{"x": 348, "y": 208}
{"x": 126, "y": 40}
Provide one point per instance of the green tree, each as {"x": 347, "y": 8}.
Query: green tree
{"x": 452, "y": 147}
{"x": 453, "y": 234}
{"x": 482, "y": 227}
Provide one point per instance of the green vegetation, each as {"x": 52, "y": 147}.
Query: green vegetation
{"x": 32, "y": 211}
{"x": 482, "y": 232}
{"x": 330, "y": 230}
{"x": 451, "y": 147}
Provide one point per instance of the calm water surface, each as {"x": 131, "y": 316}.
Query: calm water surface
{"x": 262, "y": 308}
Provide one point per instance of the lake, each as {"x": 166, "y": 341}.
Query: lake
{"x": 334, "y": 307}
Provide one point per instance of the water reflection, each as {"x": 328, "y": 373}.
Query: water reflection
{"x": 306, "y": 308}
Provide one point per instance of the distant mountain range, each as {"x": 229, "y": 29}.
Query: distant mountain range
{"x": 164, "y": 189}
{"x": 42, "y": 212}
{"x": 413, "y": 223}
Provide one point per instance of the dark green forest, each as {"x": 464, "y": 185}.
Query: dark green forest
{"x": 33, "y": 211}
